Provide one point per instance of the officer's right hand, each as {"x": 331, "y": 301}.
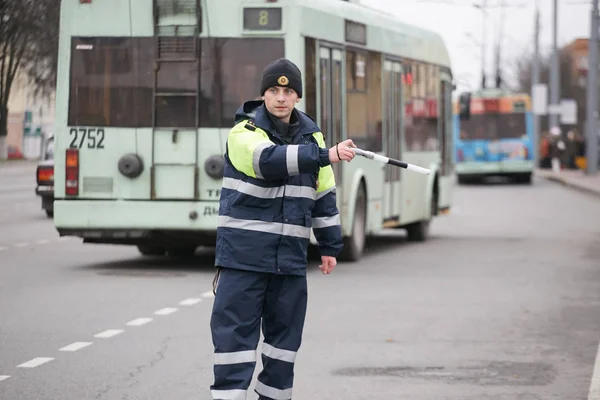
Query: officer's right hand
{"x": 344, "y": 151}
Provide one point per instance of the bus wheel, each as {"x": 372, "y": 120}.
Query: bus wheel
{"x": 151, "y": 250}
{"x": 524, "y": 178}
{"x": 419, "y": 231}
{"x": 355, "y": 244}
{"x": 181, "y": 251}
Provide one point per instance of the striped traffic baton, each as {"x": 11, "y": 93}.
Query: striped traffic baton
{"x": 386, "y": 160}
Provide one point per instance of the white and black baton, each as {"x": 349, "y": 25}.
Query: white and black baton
{"x": 386, "y": 160}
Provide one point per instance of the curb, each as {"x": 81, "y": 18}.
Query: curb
{"x": 565, "y": 182}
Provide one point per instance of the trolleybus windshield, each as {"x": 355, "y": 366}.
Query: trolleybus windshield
{"x": 493, "y": 126}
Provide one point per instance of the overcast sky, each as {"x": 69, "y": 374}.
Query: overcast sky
{"x": 455, "y": 19}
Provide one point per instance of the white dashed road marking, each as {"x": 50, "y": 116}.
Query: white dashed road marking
{"x": 594, "y": 393}
{"x": 108, "y": 333}
{"x": 113, "y": 332}
{"x": 139, "y": 321}
{"x": 75, "y": 346}
{"x": 189, "y": 302}
{"x": 165, "y": 311}
{"x": 36, "y": 362}
{"x": 40, "y": 241}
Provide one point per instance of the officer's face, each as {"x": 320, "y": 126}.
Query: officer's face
{"x": 280, "y": 101}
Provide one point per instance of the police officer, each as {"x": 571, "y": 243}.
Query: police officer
{"x": 277, "y": 185}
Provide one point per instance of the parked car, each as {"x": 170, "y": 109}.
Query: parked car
{"x": 45, "y": 178}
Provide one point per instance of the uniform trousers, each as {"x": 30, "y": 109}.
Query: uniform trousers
{"x": 242, "y": 299}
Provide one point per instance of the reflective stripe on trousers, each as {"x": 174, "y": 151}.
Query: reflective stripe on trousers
{"x": 241, "y": 300}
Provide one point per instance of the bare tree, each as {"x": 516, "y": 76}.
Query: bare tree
{"x": 41, "y": 61}
{"x": 29, "y": 44}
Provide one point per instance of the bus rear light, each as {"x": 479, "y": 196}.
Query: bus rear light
{"x": 72, "y": 172}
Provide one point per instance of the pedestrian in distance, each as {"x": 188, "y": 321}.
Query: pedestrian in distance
{"x": 278, "y": 184}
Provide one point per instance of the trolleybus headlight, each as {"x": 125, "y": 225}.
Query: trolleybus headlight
{"x": 131, "y": 165}
{"x": 214, "y": 167}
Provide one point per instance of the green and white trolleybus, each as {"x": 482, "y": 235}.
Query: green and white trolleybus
{"x": 147, "y": 91}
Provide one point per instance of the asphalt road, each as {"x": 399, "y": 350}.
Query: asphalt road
{"x": 501, "y": 303}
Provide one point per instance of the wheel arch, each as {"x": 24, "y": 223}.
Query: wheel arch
{"x": 433, "y": 186}
{"x": 350, "y": 207}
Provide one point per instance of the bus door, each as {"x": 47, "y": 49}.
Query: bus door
{"x": 392, "y": 117}
{"x": 331, "y": 103}
{"x": 446, "y": 130}
{"x": 174, "y": 165}
{"x": 446, "y": 135}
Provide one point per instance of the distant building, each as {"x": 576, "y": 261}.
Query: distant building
{"x": 578, "y": 50}
{"x": 27, "y": 111}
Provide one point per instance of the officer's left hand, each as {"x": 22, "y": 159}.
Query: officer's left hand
{"x": 327, "y": 264}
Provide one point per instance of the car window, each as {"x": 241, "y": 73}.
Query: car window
{"x": 50, "y": 150}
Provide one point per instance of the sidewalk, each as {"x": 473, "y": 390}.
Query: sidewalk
{"x": 575, "y": 179}
{"x": 17, "y": 163}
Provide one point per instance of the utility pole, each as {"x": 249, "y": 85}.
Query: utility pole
{"x": 592, "y": 95}
{"x": 554, "y": 72}
{"x": 483, "y": 23}
{"x": 535, "y": 79}
{"x": 498, "y": 46}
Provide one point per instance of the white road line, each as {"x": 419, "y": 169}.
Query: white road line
{"x": 189, "y": 302}
{"x": 139, "y": 321}
{"x": 208, "y": 294}
{"x": 35, "y": 362}
{"x": 75, "y": 346}
{"x": 4, "y": 377}
{"x": 165, "y": 311}
{"x": 42, "y": 241}
{"x": 108, "y": 333}
{"x": 594, "y": 393}
{"x": 21, "y": 244}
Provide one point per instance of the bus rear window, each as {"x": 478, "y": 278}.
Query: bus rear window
{"x": 493, "y": 126}
{"x": 112, "y": 82}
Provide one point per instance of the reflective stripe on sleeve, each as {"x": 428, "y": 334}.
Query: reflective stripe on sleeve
{"x": 266, "y": 227}
{"x": 278, "y": 354}
{"x": 291, "y": 157}
{"x": 233, "y": 394}
{"x": 326, "y": 192}
{"x": 256, "y": 157}
{"x": 268, "y": 193}
{"x": 236, "y": 357}
{"x": 324, "y": 222}
{"x": 273, "y": 393}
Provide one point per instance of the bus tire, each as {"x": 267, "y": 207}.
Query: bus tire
{"x": 151, "y": 250}
{"x": 419, "y": 231}
{"x": 524, "y": 178}
{"x": 354, "y": 245}
{"x": 182, "y": 251}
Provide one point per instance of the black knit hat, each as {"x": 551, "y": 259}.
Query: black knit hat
{"x": 281, "y": 72}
